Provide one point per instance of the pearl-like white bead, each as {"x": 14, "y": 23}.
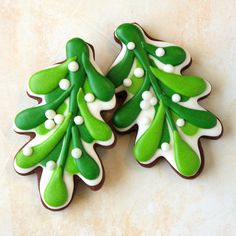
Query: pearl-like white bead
{"x": 165, "y": 147}
{"x": 139, "y": 72}
{"x": 27, "y": 151}
{"x": 168, "y": 68}
{"x": 58, "y": 119}
{"x": 180, "y": 122}
{"x": 50, "y": 114}
{"x": 127, "y": 82}
{"x": 153, "y": 101}
{"x": 64, "y": 84}
{"x": 78, "y": 120}
{"x": 73, "y": 66}
{"x": 176, "y": 97}
{"x": 49, "y": 124}
{"x": 131, "y": 45}
{"x": 50, "y": 165}
{"x": 89, "y": 97}
{"x": 76, "y": 153}
{"x": 146, "y": 95}
{"x": 144, "y": 105}
{"x": 160, "y": 52}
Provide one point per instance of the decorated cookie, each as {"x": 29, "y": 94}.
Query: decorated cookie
{"x": 66, "y": 125}
{"x": 160, "y": 101}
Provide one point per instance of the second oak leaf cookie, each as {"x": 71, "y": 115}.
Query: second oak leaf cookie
{"x": 161, "y": 101}
{"x": 66, "y": 125}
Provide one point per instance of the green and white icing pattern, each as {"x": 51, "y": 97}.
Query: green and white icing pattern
{"x": 161, "y": 101}
{"x": 67, "y": 124}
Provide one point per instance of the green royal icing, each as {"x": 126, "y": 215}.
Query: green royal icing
{"x": 47, "y": 80}
{"x": 189, "y": 86}
{"x": 56, "y": 193}
{"x": 98, "y": 129}
{"x": 148, "y": 143}
{"x": 41, "y": 151}
{"x": 187, "y": 161}
{"x": 173, "y": 55}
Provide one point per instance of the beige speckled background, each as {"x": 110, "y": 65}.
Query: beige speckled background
{"x": 134, "y": 200}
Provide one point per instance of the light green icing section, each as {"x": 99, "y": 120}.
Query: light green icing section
{"x": 41, "y": 129}
{"x": 188, "y": 128}
{"x": 136, "y": 82}
{"x": 42, "y": 150}
{"x": 147, "y": 145}
{"x": 62, "y": 108}
{"x": 190, "y": 86}
{"x": 187, "y": 161}
{"x": 86, "y": 87}
{"x": 56, "y": 193}
{"x": 97, "y": 128}
{"x": 47, "y": 80}
{"x": 70, "y": 163}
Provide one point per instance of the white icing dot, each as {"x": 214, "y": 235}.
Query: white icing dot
{"x": 73, "y": 66}
{"x": 139, "y": 72}
{"x": 165, "y": 147}
{"x": 131, "y": 45}
{"x": 27, "y": 151}
{"x": 168, "y": 68}
{"x": 76, "y": 153}
{"x": 89, "y": 97}
{"x": 160, "y": 52}
{"x": 50, "y": 165}
{"x": 127, "y": 82}
{"x": 180, "y": 122}
{"x": 49, "y": 124}
{"x": 50, "y": 114}
{"x": 58, "y": 119}
{"x": 78, "y": 120}
{"x": 153, "y": 101}
{"x": 146, "y": 95}
{"x": 175, "y": 97}
{"x": 144, "y": 105}
{"x": 145, "y": 121}
{"x": 64, "y": 84}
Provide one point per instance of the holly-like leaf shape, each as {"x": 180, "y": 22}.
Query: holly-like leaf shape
{"x": 41, "y": 151}
{"x": 98, "y": 129}
{"x": 148, "y": 143}
{"x": 47, "y": 80}
{"x": 200, "y": 118}
{"x": 173, "y": 55}
{"x": 186, "y": 85}
{"x": 32, "y": 117}
{"x": 56, "y": 193}
{"x": 122, "y": 69}
{"x": 123, "y": 117}
{"x": 187, "y": 161}
{"x": 100, "y": 85}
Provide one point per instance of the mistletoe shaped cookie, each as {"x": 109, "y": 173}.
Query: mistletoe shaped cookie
{"x": 66, "y": 125}
{"x": 160, "y": 101}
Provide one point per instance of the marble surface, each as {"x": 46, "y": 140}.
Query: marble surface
{"x": 133, "y": 200}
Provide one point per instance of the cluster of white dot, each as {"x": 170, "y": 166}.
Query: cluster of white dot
{"x": 52, "y": 119}
{"x": 148, "y": 100}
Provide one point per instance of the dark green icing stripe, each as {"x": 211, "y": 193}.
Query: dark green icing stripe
{"x": 24, "y": 119}
{"x": 121, "y": 70}
{"x": 200, "y": 118}
{"x": 173, "y": 55}
{"x": 100, "y": 85}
